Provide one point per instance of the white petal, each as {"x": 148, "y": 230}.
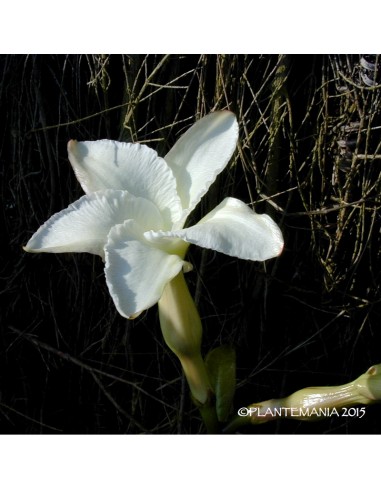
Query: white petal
{"x": 83, "y": 226}
{"x": 234, "y": 229}
{"x": 107, "y": 164}
{"x": 136, "y": 271}
{"x": 201, "y": 154}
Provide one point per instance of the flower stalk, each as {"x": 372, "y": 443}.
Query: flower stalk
{"x": 182, "y": 331}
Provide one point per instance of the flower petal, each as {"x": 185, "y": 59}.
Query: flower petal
{"x": 136, "y": 271}
{"x": 201, "y": 154}
{"x": 84, "y": 225}
{"x": 234, "y": 229}
{"x": 107, "y": 164}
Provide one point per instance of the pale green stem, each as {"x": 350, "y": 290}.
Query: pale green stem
{"x": 313, "y": 403}
{"x": 197, "y": 377}
{"x": 182, "y": 331}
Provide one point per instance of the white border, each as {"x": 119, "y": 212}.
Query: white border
{"x": 187, "y": 463}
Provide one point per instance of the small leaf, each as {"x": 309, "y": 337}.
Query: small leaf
{"x": 220, "y": 364}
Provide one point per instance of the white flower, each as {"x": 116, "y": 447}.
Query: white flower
{"x": 136, "y": 205}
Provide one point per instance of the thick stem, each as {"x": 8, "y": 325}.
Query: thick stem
{"x": 182, "y": 331}
{"x": 179, "y": 318}
{"x": 197, "y": 377}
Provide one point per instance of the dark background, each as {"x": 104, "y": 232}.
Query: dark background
{"x": 68, "y": 362}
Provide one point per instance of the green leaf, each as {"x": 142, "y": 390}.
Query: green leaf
{"x": 220, "y": 364}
